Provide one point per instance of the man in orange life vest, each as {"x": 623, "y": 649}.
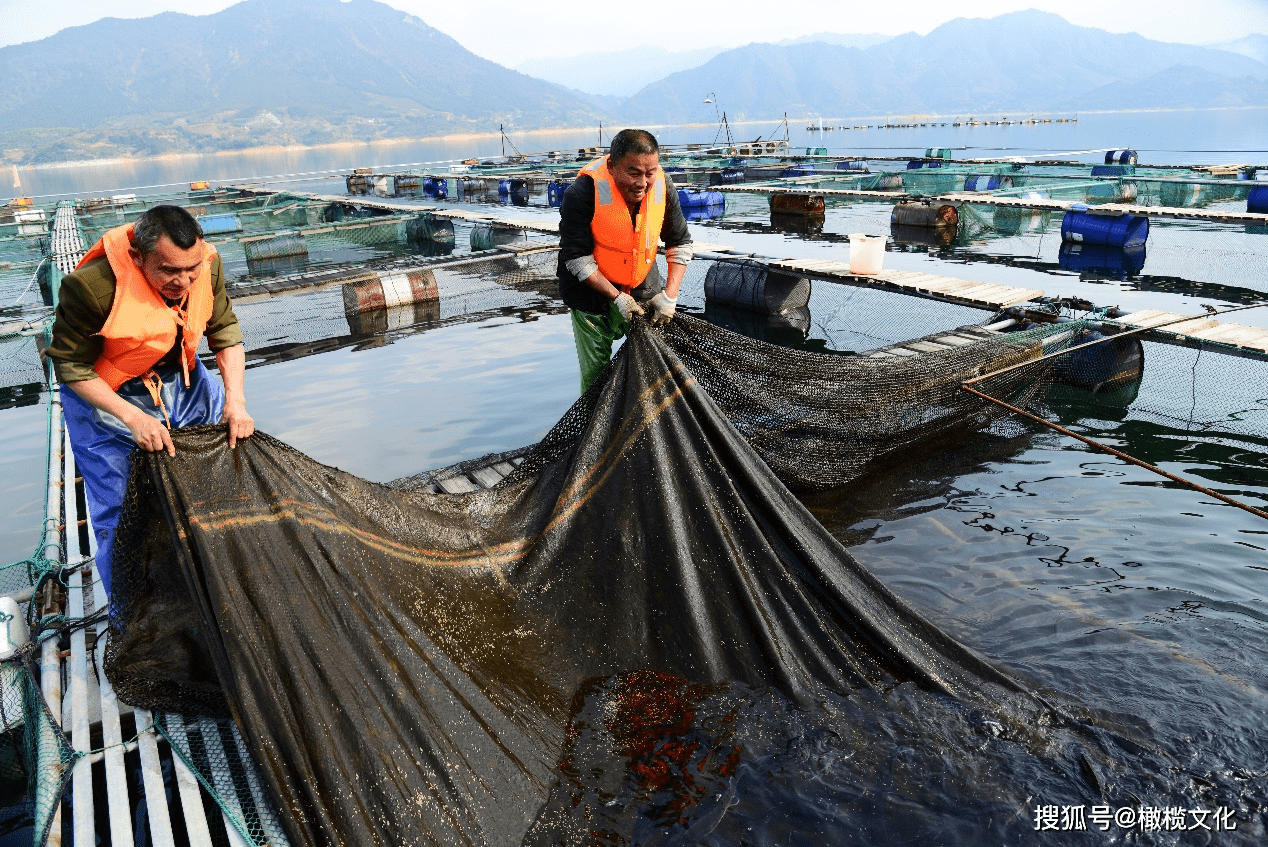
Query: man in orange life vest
{"x": 125, "y": 341}
{"x": 611, "y": 220}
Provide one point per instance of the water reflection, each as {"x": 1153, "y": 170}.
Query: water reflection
{"x": 1113, "y": 262}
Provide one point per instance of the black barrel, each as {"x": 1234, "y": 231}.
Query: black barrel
{"x": 788, "y": 329}
{"x": 749, "y": 284}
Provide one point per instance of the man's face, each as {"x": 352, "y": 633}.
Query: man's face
{"x": 634, "y": 174}
{"x": 170, "y": 270}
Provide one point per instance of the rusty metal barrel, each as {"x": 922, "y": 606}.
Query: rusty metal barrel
{"x": 811, "y": 205}
{"x": 385, "y": 289}
{"x": 927, "y": 215}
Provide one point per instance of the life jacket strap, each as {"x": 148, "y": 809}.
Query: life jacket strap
{"x": 154, "y": 384}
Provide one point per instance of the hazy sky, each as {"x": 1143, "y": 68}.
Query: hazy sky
{"x": 510, "y": 31}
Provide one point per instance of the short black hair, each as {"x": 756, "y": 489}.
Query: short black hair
{"x": 173, "y": 221}
{"x": 631, "y": 141}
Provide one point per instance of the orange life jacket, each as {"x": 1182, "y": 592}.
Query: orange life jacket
{"x": 141, "y": 327}
{"x": 625, "y": 250}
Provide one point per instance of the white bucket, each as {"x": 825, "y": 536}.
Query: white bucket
{"x": 13, "y": 634}
{"x": 867, "y": 253}
{"x": 13, "y": 631}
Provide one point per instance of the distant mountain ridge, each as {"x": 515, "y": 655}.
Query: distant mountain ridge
{"x": 325, "y": 70}
{"x": 272, "y": 72}
{"x": 1254, "y": 46}
{"x": 1022, "y": 61}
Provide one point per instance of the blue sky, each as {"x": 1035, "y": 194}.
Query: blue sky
{"x": 511, "y": 31}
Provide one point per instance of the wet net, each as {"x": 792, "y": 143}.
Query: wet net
{"x": 416, "y": 668}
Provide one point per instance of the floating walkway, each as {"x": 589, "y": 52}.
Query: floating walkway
{"x": 465, "y": 477}
{"x": 68, "y": 246}
{"x": 1241, "y": 336}
{"x": 951, "y": 289}
{"x": 985, "y": 199}
{"x": 399, "y": 206}
{"x": 798, "y": 188}
{"x": 1214, "y": 216}
{"x": 85, "y": 706}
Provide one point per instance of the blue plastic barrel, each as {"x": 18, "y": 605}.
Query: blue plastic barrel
{"x": 803, "y": 169}
{"x": 555, "y": 193}
{"x": 707, "y": 212}
{"x": 727, "y": 177}
{"x": 987, "y": 182}
{"x": 689, "y": 198}
{"x": 1120, "y": 157}
{"x": 1257, "y": 201}
{"x": 1081, "y": 226}
{"x": 513, "y": 191}
{"x": 219, "y": 224}
{"x": 1117, "y": 262}
{"x": 852, "y": 165}
{"x": 435, "y": 187}
{"x": 1113, "y": 170}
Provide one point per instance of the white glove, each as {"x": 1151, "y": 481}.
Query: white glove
{"x": 662, "y": 308}
{"x": 628, "y": 305}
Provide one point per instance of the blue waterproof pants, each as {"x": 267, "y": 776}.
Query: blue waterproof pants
{"x": 102, "y": 443}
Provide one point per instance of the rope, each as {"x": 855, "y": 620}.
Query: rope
{"x": 1114, "y": 337}
{"x": 967, "y": 385}
{"x": 1098, "y": 445}
{"x": 31, "y": 282}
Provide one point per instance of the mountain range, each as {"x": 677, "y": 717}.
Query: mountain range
{"x": 266, "y": 72}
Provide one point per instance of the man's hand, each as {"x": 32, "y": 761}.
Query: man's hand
{"x": 149, "y": 433}
{"x": 628, "y": 305}
{"x": 662, "y": 309}
{"x": 241, "y": 425}
{"x": 232, "y": 362}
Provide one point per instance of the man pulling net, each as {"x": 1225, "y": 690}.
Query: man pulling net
{"x": 611, "y": 220}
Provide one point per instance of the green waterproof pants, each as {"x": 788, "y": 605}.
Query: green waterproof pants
{"x": 594, "y": 336}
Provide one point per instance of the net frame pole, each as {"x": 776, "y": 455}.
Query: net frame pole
{"x": 1106, "y": 448}
{"x": 49, "y": 765}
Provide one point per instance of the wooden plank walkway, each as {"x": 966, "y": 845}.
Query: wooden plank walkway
{"x": 67, "y": 247}
{"x": 1213, "y": 216}
{"x": 1204, "y": 329}
{"x": 102, "y": 730}
{"x": 854, "y": 193}
{"x": 969, "y": 292}
{"x": 938, "y": 341}
{"x": 985, "y": 199}
{"x": 464, "y": 478}
{"x": 400, "y": 206}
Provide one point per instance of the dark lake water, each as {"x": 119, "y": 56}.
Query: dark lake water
{"x": 1087, "y": 576}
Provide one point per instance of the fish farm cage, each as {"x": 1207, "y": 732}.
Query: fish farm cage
{"x": 395, "y": 254}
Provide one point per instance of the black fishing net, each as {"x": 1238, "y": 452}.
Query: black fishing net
{"x": 602, "y": 647}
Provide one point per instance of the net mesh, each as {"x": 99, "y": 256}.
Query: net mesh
{"x": 842, "y": 416}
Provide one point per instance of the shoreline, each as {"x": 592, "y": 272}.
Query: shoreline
{"x": 459, "y": 137}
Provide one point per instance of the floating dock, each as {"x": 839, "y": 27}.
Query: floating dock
{"x": 1211, "y": 215}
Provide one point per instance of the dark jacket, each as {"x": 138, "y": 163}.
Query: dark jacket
{"x": 575, "y": 241}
